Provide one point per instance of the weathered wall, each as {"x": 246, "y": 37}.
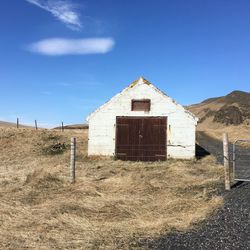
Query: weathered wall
{"x": 181, "y": 125}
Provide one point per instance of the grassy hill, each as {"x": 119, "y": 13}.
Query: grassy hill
{"x": 74, "y": 126}
{"x": 11, "y": 125}
{"x": 230, "y": 113}
{"x": 112, "y": 205}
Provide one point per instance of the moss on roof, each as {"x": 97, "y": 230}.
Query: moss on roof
{"x": 131, "y": 85}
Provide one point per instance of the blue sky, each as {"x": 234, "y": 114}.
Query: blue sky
{"x": 60, "y": 60}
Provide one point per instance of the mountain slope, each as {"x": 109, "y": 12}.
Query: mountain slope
{"x": 233, "y": 108}
{"x": 230, "y": 113}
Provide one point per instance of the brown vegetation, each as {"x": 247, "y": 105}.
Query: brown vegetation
{"x": 74, "y": 126}
{"x": 12, "y": 125}
{"x": 230, "y": 113}
{"x": 112, "y": 204}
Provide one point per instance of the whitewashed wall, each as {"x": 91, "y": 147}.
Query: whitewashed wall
{"x": 181, "y": 125}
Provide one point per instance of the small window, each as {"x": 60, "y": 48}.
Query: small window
{"x": 140, "y": 105}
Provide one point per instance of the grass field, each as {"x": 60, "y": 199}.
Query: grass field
{"x": 216, "y": 130}
{"x": 13, "y": 125}
{"x": 112, "y": 204}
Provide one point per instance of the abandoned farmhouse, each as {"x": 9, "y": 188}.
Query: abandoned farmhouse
{"x": 141, "y": 123}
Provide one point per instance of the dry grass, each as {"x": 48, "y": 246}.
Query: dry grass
{"x": 216, "y": 130}
{"x": 4, "y": 124}
{"x": 111, "y": 204}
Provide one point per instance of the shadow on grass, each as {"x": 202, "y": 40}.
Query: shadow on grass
{"x": 200, "y": 152}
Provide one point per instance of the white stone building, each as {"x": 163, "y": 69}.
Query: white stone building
{"x": 142, "y": 123}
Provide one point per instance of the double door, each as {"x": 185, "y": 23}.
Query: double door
{"x": 141, "y": 138}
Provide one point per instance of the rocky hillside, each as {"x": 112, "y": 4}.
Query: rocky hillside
{"x": 232, "y": 109}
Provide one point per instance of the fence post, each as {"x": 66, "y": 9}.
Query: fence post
{"x": 62, "y": 127}
{"x": 36, "y": 124}
{"x": 17, "y": 122}
{"x": 226, "y": 161}
{"x": 73, "y": 160}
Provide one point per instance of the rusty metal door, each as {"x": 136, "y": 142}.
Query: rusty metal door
{"x": 141, "y": 138}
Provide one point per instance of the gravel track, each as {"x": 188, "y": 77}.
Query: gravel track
{"x": 228, "y": 228}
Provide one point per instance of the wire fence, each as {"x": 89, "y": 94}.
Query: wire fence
{"x": 239, "y": 155}
{"x": 241, "y": 163}
{"x": 36, "y": 125}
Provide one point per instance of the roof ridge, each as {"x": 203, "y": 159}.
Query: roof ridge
{"x": 144, "y": 81}
{"x": 138, "y": 80}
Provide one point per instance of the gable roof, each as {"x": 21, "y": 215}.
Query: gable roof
{"x": 136, "y": 82}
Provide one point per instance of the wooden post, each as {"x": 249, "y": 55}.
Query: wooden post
{"x": 17, "y": 122}
{"x": 36, "y": 124}
{"x": 62, "y": 127}
{"x": 73, "y": 160}
{"x": 226, "y": 161}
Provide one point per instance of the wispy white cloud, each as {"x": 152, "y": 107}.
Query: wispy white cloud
{"x": 64, "y": 10}
{"x": 60, "y": 46}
